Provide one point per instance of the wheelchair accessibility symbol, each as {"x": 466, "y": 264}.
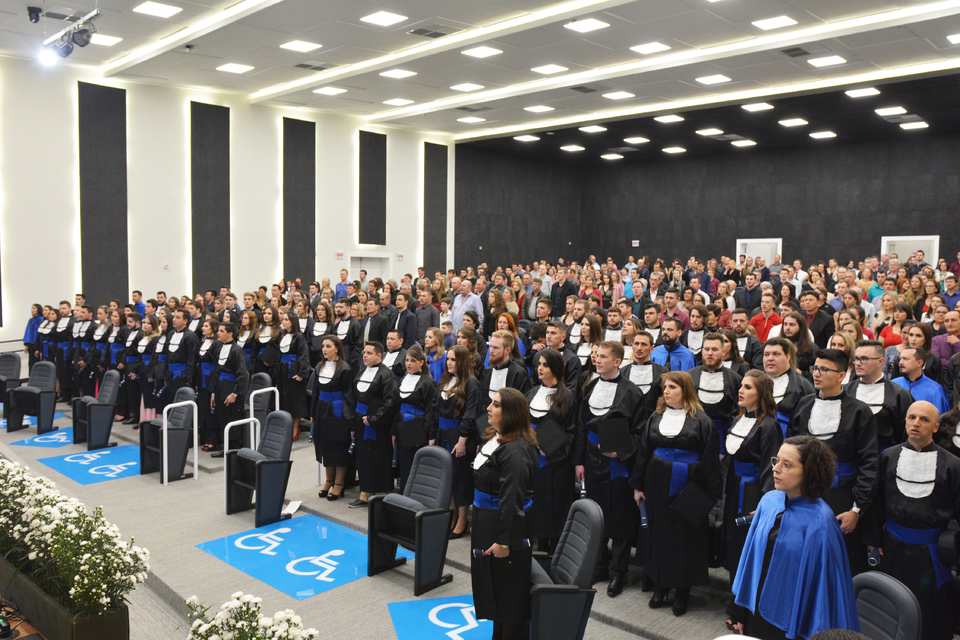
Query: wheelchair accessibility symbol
{"x": 53, "y": 440}
{"x": 89, "y": 467}
{"x": 450, "y": 618}
{"x": 84, "y": 458}
{"x": 465, "y": 611}
{"x": 112, "y": 470}
{"x": 271, "y": 541}
{"x": 324, "y": 562}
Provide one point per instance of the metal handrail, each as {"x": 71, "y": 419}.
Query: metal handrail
{"x": 254, "y": 424}
{"x": 255, "y": 442}
{"x": 196, "y": 440}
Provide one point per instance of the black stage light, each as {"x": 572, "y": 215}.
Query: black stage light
{"x": 34, "y": 14}
{"x": 62, "y": 47}
{"x": 82, "y": 36}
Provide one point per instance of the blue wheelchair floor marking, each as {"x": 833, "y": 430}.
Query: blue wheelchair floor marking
{"x": 52, "y": 440}
{"x": 301, "y": 557}
{"x": 28, "y": 420}
{"x": 450, "y": 618}
{"x": 90, "y": 467}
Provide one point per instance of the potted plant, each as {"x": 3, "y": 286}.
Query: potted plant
{"x": 240, "y": 619}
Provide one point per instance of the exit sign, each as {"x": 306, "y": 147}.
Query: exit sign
{"x": 635, "y": 243}
{"x": 339, "y": 256}
{"x": 399, "y": 257}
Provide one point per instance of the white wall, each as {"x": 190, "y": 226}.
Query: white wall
{"x": 39, "y": 189}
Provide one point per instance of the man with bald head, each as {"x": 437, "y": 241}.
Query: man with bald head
{"x": 918, "y": 493}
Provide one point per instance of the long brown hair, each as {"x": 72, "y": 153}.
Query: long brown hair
{"x": 691, "y": 404}
{"x": 464, "y": 364}
{"x": 766, "y": 405}
{"x": 514, "y": 418}
{"x": 341, "y": 357}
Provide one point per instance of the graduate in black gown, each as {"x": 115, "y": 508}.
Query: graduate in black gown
{"x": 918, "y": 494}
{"x": 63, "y": 339}
{"x": 268, "y": 345}
{"x": 779, "y": 362}
{"x": 182, "y": 348}
{"x": 692, "y": 338}
{"x": 732, "y": 358}
{"x": 43, "y": 347}
{"x": 206, "y": 363}
{"x": 751, "y": 349}
{"x": 91, "y": 368}
{"x": 230, "y": 383}
{"x": 848, "y": 427}
{"x": 795, "y": 546}
{"x": 293, "y": 371}
{"x": 322, "y": 326}
{"x": 645, "y": 373}
{"x": 128, "y": 404}
{"x": 678, "y": 455}
{"x": 113, "y": 351}
{"x": 247, "y": 338}
{"x": 416, "y": 398}
{"x": 753, "y": 439}
{"x": 502, "y": 477}
{"x": 395, "y": 356}
{"x": 553, "y": 481}
{"x": 83, "y": 330}
{"x": 347, "y": 329}
{"x": 375, "y": 391}
{"x": 331, "y": 402}
{"x": 556, "y": 340}
{"x": 160, "y": 362}
{"x": 458, "y": 403}
{"x": 717, "y": 387}
{"x": 610, "y": 397}
{"x": 505, "y": 368}
{"x": 888, "y": 402}
{"x": 146, "y": 346}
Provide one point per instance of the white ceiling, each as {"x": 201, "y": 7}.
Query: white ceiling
{"x": 877, "y": 38}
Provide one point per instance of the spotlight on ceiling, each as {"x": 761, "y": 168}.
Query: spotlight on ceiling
{"x": 84, "y": 33}
{"x": 62, "y": 47}
{"x": 33, "y": 13}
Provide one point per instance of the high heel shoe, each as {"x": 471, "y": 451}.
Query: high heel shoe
{"x": 680, "y": 602}
{"x": 335, "y": 496}
{"x": 296, "y": 434}
{"x": 323, "y": 493}
{"x": 659, "y": 598}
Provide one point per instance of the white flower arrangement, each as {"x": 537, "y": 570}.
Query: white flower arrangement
{"x": 240, "y": 619}
{"x": 76, "y": 557}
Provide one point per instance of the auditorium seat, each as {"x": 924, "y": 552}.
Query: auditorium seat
{"x": 888, "y": 610}
{"x": 417, "y": 520}
{"x": 261, "y": 402}
{"x": 9, "y": 371}
{"x": 38, "y": 398}
{"x": 562, "y": 594}
{"x": 93, "y": 417}
{"x": 180, "y": 425}
{"x": 264, "y": 471}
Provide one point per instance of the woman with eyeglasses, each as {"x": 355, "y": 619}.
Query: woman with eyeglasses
{"x": 795, "y": 545}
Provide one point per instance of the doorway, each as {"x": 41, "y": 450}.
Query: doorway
{"x": 764, "y": 248}
{"x": 377, "y": 265}
{"x": 903, "y": 246}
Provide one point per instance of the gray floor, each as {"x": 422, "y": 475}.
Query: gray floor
{"x": 171, "y": 520}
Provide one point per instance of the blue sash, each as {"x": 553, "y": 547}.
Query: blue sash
{"x": 784, "y": 420}
{"x": 228, "y": 377}
{"x": 722, "y": 433}
{"x": 86, "y": 345}
{"x": 162, "y": 357}
{"x": 543, "y": 459}
{"x": 928, "y": 537}
{"x": 147, "y": 358}
{"x": 369, "y": 433}
{"x": 409, "y": 411}
{"x": 115, "y": 350}
{"x": 748, "y": 472}
{"x": 46, "y": 348}
{"x": 292, "y": 357}
{"x": 131, "y": 359}
{"x": 178, "y": 369}
{"x": 679, "y": 470}
{"x": 617, "y": 468}
{"x": 446, "y": 424}
{"x": 247, "y": 351}
{"x": 844, "y": 470}
{"x": 335, "y": 398}
{"x": 64, "y": 346}
{"x": 490, "y": 501}
{"x": 206, "y": 368}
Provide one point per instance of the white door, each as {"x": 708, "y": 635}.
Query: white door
{"x": 376, "y": 267}
{"x": 755, "y": 248}
{"x": 903, "y": 246}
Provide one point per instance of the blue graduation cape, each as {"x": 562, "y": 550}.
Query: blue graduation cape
{"x": 808, "y": 587}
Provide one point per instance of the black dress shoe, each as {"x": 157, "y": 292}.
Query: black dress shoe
{"x": 217, "y": 454}
{"x": 659, "y": 598}
{"x": 680, "y": 602}
{"x": 616, "y": 586}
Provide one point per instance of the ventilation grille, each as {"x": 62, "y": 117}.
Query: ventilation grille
{"x": 584, "y": 89}
{"x": 623, "y": 149}
{"x": 909, "y": 117}
{"x": 806, "y": 50}
{"x": 474, "y": 109}
{"x": 727, "y": 137}
{"x": 434, "y": 31}
{"x": 313, "y": 65}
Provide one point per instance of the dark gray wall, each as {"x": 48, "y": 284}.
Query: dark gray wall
{"x": 434, "y": 207}
{"x": 299, "y": 199}
{"x": 833, "y": 201}
{"x": 517, "y": 210}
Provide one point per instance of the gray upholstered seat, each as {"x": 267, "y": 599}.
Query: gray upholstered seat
{"x": 265, "y": 471}
{"x": 179, "y": 439}
{"x": 9, "y": 371}
{"x": 93, "y": 417}
{"x": 888, "y": 610}
{"x": 37, "y": 398}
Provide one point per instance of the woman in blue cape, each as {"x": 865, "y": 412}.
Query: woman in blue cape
{"x": 794, "y": 577}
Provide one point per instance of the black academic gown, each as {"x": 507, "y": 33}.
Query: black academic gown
{"x": 348, "y": 331}
{"x": 181, "y": 351}
{"x": 206, "y": 363}
{"x": 377, "y": 400}
{"x": 294, "y": 361}
{"x": 396, "y": 361}
{"x": 854, "y": 441}
{"x": 317, "y": 331}
{"x": 43, "y": 347}
{"x": 268, "y": 355}
{"x": 95, "y": 354}
{"x": 675, "y": 554}
{"x": 751, "y": 351}
{"x": 129, "y": 404}
{"x": 448, "y": 418}
{"x": 693, "y": 340}
{"x": 889, "y": 407}
{"x": 750, "y": 445}
{"x": 63, "y": 354}
{"x": 515, "y": 378}
{"x": 415, "y": 399}
{"x": 230, "y": 376}
{"x": 917, "y": 500}
{"x": 648, "y": 377}
{"x": 787, "y": 391}
{"x": 606, "y": 479}
{"x": 720, "y": 400}
{"x": 332, "y": 399}
{"x": 148, "y": 387}
{"x": 82, "y": 342}
{"x": 554, "y": 481}
{"x": 250, "y": 347}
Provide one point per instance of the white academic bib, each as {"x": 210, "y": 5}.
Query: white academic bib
{"x": 824, "y": 418}
{"x": 916, "y": 472}
{"x": 408, "y": 384}
{"x": 739, "y": 432}
{"x": 601, "y": 398}
{"x": 485, "y": 452}
{"x": 642, "y": 376}
{"x": 498, "y": 380}
{"x": 780, "y": 384}
{"x": 449, "y": 388}
{"x": 671, "y": 423}
{"x": 366, "y": 378}
{"x": 871, "y": 395}
{"x": 711, "y": 387}
{"x": 327, "y": 371}
{"x": 541, "y": 403}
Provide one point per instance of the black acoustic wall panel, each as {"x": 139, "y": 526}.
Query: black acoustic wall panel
{"x": 210, "y": 195}
{"x": 515, "y": 209}
{"x": 103, "y": 192}
{"x": 434, "y": 207}
{"x": 299, "y": 199}
{"x": 373, "y": 188}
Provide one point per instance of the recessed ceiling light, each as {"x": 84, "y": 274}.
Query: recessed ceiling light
{"x": 593, "y": 129}
{"x": 398, "y": 102}
{"x": 383, "y": 18}
{"x": 674, "y": 150}
{"x": 157, "y": 9}
{"x": 467, "y": 86}
{"x": 793, "y": 122}
{"x": 757, "y": 106}
{"x": 571, "y": 147}
{"x": 914, "y": 125}
{"x": 710, "y": 132}
{"x": 612, "y": 156}
{"x": 526, "y": 138}
{"x": 540, "y": 108}
{"x": 548, "y": 69}
{"x": 717, "y": 79}
{"x": 668, "y": 119}
{"x": 774, "y": 23}
{"x": 583, "y": 26}
{"x": 231, "y": 67}
{"x": 827, "y": 61}
{"x": 618, "y": 95}
{"x": 636, "y": 140}
{"x": 823, "y": 134}
{"x": 329, "y": 91}
{"x": 481, "y": 52}
{"x": 743, "y": 143}
{"x": 650, "y": 47}
{"x": 891, "y": 111}
{"x": 863, "y": 93}
{"x": 301, "y": 46}
{"x": 471, "y": 120}
{"x": 398, "y": 73}
{"x": 105, "y": 41}
{"x": 954, "y": 39}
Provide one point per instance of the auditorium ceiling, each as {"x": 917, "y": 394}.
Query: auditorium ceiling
{"x": 490, "y": 71}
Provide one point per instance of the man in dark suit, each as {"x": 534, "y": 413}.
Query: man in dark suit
{"x": 749, "y": 296}
{"x": 404, "y": 320}
{"x": 560, "y": 290}
{"x": 374, "y": 327}
{"x": 819, "y": 323}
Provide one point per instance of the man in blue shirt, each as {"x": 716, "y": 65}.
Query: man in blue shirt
{"x": 950, "y": 294}
{"x": 341, "y": 289}
{"x": 671, "y": 354}
{"x": 141, "y": 308}
{"x": 920, "y": 386}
